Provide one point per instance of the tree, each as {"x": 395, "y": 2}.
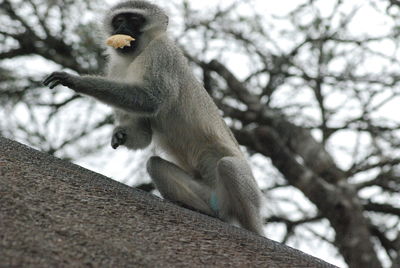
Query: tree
{"x": 307, "y": 93}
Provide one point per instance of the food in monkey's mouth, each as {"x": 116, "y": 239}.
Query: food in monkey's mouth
{"x": 119, "y": 41}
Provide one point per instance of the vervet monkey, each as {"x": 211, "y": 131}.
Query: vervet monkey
{"x": 158, "y": 99}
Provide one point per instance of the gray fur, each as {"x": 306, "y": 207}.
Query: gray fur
{"x": 158, "y": 99}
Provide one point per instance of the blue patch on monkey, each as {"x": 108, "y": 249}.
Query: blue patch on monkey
{"x": 214, "y": 202}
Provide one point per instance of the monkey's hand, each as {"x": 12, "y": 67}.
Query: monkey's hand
{"x": 118, "y": 138}
{"x": 60, "y": 78}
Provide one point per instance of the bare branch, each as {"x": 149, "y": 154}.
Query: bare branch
{"x": 357, "y": 168}
{"x": 15, "y": 53}
{"x": 236, "y": 86}
{"x": 382, "y": 208}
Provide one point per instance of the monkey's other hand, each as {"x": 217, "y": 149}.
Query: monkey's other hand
{"x": 118, "y": 138}
{"x": 57, "y": 78}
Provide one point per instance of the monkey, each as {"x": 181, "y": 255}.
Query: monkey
{"x": 158, "y": 100}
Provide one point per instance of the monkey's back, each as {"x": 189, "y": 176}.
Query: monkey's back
{"x": 195, "y": 139}
{"x": 190, "y": 127}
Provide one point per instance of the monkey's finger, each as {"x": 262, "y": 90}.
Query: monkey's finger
{"x": 54, "y": 76}
{"x": 114, "y": 145}
{"x": 118, "y": 139}
{"x": 53, "y": 84}
{"x": 47, "y": 80}
{"x": 50, "y": 79}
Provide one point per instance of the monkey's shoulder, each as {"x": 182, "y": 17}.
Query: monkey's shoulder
{"x": 164, "y": 53}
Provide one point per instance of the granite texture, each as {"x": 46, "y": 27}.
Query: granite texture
{"x": 57, "y": 214}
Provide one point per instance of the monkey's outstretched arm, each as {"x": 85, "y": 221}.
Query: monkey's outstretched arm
{"x": 129, "y": 97}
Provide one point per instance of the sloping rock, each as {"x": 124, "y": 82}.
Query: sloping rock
{"x": 54, "y": 214}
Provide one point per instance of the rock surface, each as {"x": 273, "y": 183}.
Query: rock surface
{"x": 56, "y": 214}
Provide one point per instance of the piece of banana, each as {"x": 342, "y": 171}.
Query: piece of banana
{"x": 119, "y": 40}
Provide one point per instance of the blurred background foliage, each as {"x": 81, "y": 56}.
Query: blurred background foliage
{"x": 309, "y": 88}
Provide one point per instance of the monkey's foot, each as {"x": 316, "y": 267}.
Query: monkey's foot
{"x": 118, "y": 138}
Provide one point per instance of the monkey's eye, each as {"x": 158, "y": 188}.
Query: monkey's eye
{"x": 118, "y": 21}
{"x": 135, "y": 19}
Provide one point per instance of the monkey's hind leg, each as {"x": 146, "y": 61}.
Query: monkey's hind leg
{"x": 238, "y": 193}
{"x": 177, "y": 185}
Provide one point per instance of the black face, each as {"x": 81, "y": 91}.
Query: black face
{"x": 130, "y": 24}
